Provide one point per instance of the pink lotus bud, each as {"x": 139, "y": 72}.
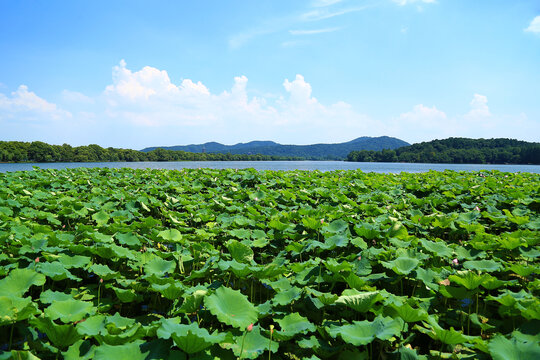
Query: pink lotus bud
{"x": 359, "y": 258}
{"x": 37, "y": 259}
{"x": 476, "y": 208}
{"x": 101, "y": 281}
{"x": 250, "y": 327}
{"x": 455, "y": 262}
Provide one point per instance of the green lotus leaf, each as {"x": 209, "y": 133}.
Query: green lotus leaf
{"x": 523, "y": 270}
{"x": 468, "y": 279}
{"x": 192, "y": 339}
{"x": 336, "y": 226}
{"x": 240, "y": 233}
{"x": 127, "y": 295}
{"x": 171, "y": 235}
{"x": 254, "y": 344}
{"x": 69, "y": 310}
{"x": 158, "y": 266}
{"x": 311, "y": 223}
{"x": 351, "y": 355}
{"x": 408, "y": 314}
{"x": 92, "y": 326}
{"x": 19, "y": 355}
{"x": 131, "y": 351}
{"x": 76, "y": 261}
{"x": 386, "y": 327}
{"x": 103, "y": 271}
{"x": 49, "y": 296}
{"x": 482, "y": 265}
{"x": 359, "y": 333}
{"x": 239, "y": 251}
{"x": 128, "y": 239}
{"x": 293, "y": 324}
{"x": 19, "y": 281}
{"x": 56, "y": 271}
{"x": 61, "y": 336}
{"x": 278, "y": 225}
{"x": 437, "y": 248}
{"x": 359, "y": 301}
{"x": 101, "y": 218}
{"x": 231, "y": 307}
{"x": 449, "y": 337}
{"x": 401, "y": 265}
{"x": 193, "y": 299}
{"x": 287, "y": 296}
{"x": 13, "y": 309}
{"x": 338, "y": 240}
{"x": 169, "y": 291}
{"x": 500, "y": 348}
{"x": 397, "y": 230}
{"x": 80, "y": 350}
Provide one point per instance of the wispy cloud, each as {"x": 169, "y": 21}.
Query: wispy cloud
{"x": 534, "y": 26}
{"x": 314, "y": 31}
{"x": 322, "y": 14}
{"x": 406, "y": 2}
{"x": 323, "y": 3}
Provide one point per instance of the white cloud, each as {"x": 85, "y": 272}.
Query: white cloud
{"x": 479, "y": 107}
{"x": 26, "y": 105}
{"x": 314, "y": 31}
{"x": 323, "y": 3}
{"x": 534, "y": 26}
{"x": 76, "y": 97}
{"x": 423, "y": 115}
{"x": 406, "y": 2}
{"x": 323, "y": 13}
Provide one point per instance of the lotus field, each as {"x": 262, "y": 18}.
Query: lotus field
{"x": 229, "y": 264}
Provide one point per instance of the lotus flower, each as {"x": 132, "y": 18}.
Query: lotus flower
{"x": 250, "y": 327}
{"x": 455, "y": 262}
{"x": 37, "y": 259}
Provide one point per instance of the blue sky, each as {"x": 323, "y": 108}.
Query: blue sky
{"x": 148, "y": 73}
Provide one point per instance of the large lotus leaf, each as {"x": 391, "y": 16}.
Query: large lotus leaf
{"x": 386, "y": 327}
{"x": 56, "y": 271}
{"x": 450, "y": 337}
{"x": 131, "y": 351}
{"x": 359, "y": 301}
{"x": 501, "y": 348}
{"x": 524, "y": 270}
{"x": 231, "y": 307}
{"x": 128, "y": 239}
{"x": 171, "y": 235}
{"x": 192, "y": 339}
{"x": 61, "y": 336}
{"x": 13, "y": 309}
{"x": 239, "y": 251}
{"x": 438, "y": 248}
{"x": 397, "y": 230}
{"x": 169, "y": 291}
{"x": 49, "y": 296}
{"x": 293, "y": 324}
{"x": 101, "y": 218}
{"x": 336, "y": 226}
{"x": 81, "y": 350}
{"x": 278, "y": 225}
{"x": 467, "y": 279}
{"x": 127, "y": 295}
{"x": 103, "y": 271}
{"x": 167, "y": 327}
{"x": 338, "y": 240}
{"x": 401, "y": 265}
{"x": 69, "y": 310}
{"x": 408, "y": 314}
{"x": 359, "y": 333}
{"x": 19, "y": 355}
{"x": 92, "y": 326}
{"x": 193, "y": 301}
{"x": 311, "y": 223}
{"x": 482, "y": 265}
{"x": 240, "y": 233}
{"x": 159, "y": 266}
{"x": 76, "y": 261}
{"x": 254, "y": 345}
{"x": 19, "y": 281}
{"x": 287, "y": 296}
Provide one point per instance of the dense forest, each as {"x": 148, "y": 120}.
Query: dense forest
{"x": 457, "y": 151}
{"x": 37, "y": 151}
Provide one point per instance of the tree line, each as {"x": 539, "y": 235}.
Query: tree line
{"x": 37, "y": 151}
{"x": 457, "y": 151}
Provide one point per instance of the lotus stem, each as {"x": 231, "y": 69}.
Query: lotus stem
{"x": 11, "y": 335}
{"x": 242, "y": 347}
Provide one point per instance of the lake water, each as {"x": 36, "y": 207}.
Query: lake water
{"x": 278, "y": 165}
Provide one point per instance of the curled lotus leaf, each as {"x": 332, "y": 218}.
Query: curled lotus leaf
{"x": 402, "y": 265}
{"x": 19, "y": 281}
{"x": 252, "y": 346}
{"x": 231, "y": 307}
{"x": 358, "y": 300}
{"x": 69, "y": 310}
{"x": 293, "y": 324}
{"x": 482, "y": 265}
{"x": 192, "y": 339}
{"x": 159, "y": 266}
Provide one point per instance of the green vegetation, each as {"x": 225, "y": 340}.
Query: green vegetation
{"x": 227, "y": 264}
{"x": 311, "y": 152}
{"x": 37, "y": 151}
{"x": 457, "y": 151}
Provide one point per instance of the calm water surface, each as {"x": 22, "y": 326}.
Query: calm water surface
{"x": 279, "y": 165}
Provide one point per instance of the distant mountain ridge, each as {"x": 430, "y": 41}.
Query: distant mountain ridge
{"x": 338, "y": 151}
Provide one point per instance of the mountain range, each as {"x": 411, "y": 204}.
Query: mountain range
{"x": 338, "y": 151}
